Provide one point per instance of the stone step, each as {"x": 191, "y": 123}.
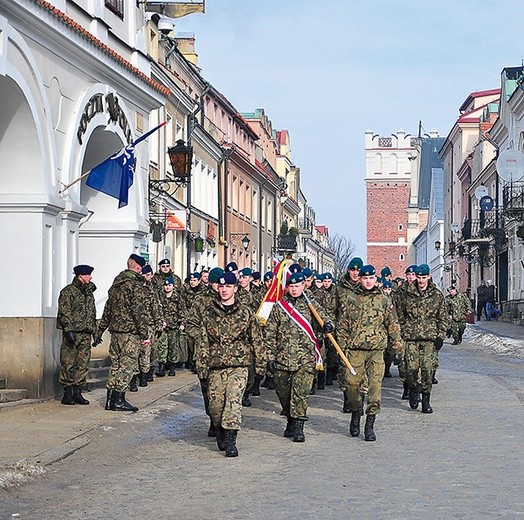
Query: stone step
{"x": 3, "y": 383}
{"x": 13, "y": 394}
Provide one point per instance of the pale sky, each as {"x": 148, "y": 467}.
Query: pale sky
{"x": 328, "y": 70}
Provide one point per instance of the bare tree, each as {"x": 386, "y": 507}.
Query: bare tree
{"x": 343, "y": 249}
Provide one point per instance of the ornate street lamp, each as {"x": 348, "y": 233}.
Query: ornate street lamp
{"x": 437, "y": 244}
{"x": 181, "y": 159}
{"x": 245, "y": 242}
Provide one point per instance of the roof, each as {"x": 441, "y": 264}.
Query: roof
{"x": 480, "y": 93}
{"x": 429, "y": 160}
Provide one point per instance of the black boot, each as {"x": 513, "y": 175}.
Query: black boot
{"x": 321, "y": 380}
{"x": 387, "y": 370}
{"x": 256, "y": 385}
{"x": 313, "y": 391}
{"x": 133, "y": 387}
{"x": 171, "y": 369}
{"x": 161, "y": 372}
{"x": 221, "y": 438}
{"x": 119, "y": 403}
{"x": 68, "y": 395}
{"x": 265, "y": 383}
{"x": 150, "y": 374}
{"x": 231, "y": 443}
{"x": 142, "y": 379}
{"x": 426, "y": 407}
{"x": 270, "y": 382}
{"x": 354, "y": 424}
{"x": 77, "y": 395}
{"x": 212, "y": 432}
{"x": 329, "y": 376}
{"x": 369, "y": 433}
{"x": 414, "y": 397}
{"x": 298, "y": 431}
{"x": 434, "y": 379}
{"x": 345, "y": 407}
{"x": 245, "y": 400}
{"x": 290, "y": 427}
{"x": 405, "y": 394}
{"x": 108, "y": 399}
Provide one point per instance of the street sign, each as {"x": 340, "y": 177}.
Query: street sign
{"x": 510, "y": 165}
{"x": 486, "y": 203}
{"x": 480, "y": 192}
{"x": 455, "y": 227}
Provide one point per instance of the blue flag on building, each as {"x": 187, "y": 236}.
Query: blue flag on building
{"x": 114, "y": 176}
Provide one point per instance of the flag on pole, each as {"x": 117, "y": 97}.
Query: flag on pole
{"x": 114, "y": 176}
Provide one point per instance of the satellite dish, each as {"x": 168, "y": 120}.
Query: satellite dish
{"x": 510, "y": 165}
{"x": 486, "y": 203}
{"x": 455, "y": 227}
{"x": 480, "y": 192}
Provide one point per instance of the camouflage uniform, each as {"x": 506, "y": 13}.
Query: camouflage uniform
{"x": 458, "y": 306}
{"x": 365, "y": 323}
{"x": 423, "y": 319}
{"x": 329, "y": 300}
{"x": 229, "y": 341}
{"x": 159, "y": 278}
{"x": 294, "y": 355}
{"x": 188, "y": 298}
{"x": 148, "y": 354}
{"x": 126, "y": 317}
{"x": 169, "y": 351}
{"x": 76, "y": 313}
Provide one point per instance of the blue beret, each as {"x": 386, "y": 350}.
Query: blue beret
{"x": 169, "y": 281}
{"x": 165, "y": 261}
{"x": 327, "y": 276}
{"x": 195, "y": 275}
{"x": 140, "y": 260}
{"x": 411, "y": 268}
{"x": 422, "y": 270}
{"x": 215, "y": 274}
{"x": 147, "y": 269}
{"x": 386, "y": 284}
{"x": 318, "y": 276}
{"x": 256, "y": 275}
{"x": 268, "y": 276}
{"x": 307, "y": 272}
{"x": 246, "y": 272}
{"x": 385, "y": 272}
{"x": 355, "y": 263}
{"x": 232, "y": 266}
{"x": 227, "y": 278}
{"x": 295, "y": 268}
{"x": 367, "y": 270}
{"x": 296, "y": 278}
{"x": 82, "y": 269}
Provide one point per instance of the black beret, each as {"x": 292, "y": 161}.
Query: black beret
{"x": 140, "y": 260}
{"x": 147, "y": 269}
{"x": 82, "y": 269}
{"x": 232, "y": 266}
{"x": 165, "y": 261}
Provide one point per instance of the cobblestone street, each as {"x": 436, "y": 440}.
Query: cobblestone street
{"x": 463, "y": 461}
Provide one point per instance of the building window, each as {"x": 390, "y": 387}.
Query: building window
{"x": 117, "y": 6}
{"x": 401, "y": 258}
{"x": 400, "y": 227}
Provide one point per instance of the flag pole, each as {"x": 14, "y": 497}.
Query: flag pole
{"x": 74, "y": 182}
{"x": 330, "y": 336}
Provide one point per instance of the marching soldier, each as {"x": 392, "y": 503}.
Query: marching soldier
{"x": 330, "y": 304}
{"x": 169, "y": 352}
{"x": 458, "y": 306}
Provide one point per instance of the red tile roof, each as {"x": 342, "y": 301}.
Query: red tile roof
{"x": 66, "y": 20}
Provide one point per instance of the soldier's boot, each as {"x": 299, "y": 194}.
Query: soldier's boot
{"x": 426, "y": 407}
{"x": 265, "y": 382}
{"x": 133, "y": 387}
{"x": 345, "y": 407}
{"x": 321, "y": 380}
{"x": 231, "y": 443}
{"x": 330, "y": 377}
{"x": 221, "y": 438}
{"x": 434, "y": 379}
{"x": 405, "y": 394}
{"x": 461, "y": 333}
{"x": 142, "y": 379}
{"x": 212, "y": 432}
{"x": 369, "y": 432}
{"x": 170, "y": 367}
{"x": 108, "y": 399}
{"x": 290, "y": 427}
{"x": 312, "y": 390}
{"x": 68, "y": 395}
{"x": 354, "y": 424}
{"x": 150, "y": 374}
{"x": 77, "y": 395}
{"x": 256, "y": 385}
{"x": 245, "y": 399}
{"x": 298, "y": 431}
{"x": 414, "y": 397}
{"x": 161, "y": 372}
{"x": 270, "y": 382}
{"x": 119, "y": 404}
{"x": 455, "y": 341}
{"x": 387, "y": 370}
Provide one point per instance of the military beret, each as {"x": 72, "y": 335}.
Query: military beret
{"x": 245, "y": 272}
{"x": 232, "y": 266}
{"x": 140, "y": 260}
{"x": 386, "y": 284}
{"x": 355, "y": 263}
{"x": 385, "y": 272}
{"x": 411, "y": 269}
{"x": 256, "y": 275}
{"x": 79, "y": 270}
{"x": 327, "y": 276}
{"x": 215, "y": 274}
{"x": 295, "y": 268}
{"x": 165, "y": 261}
{"x": 169, "y": 281}
{"x": 422, "y": 270}
{"x": 147, "y": 269}
{"x": 367, "y": 270}
{"x": 268, "y": 276}
{"x": 296, "y": 278}
{"x": 227, "y": 278}
{"x": 318, "y": 276}
{"x": 195, "y": 275}
{"x": 307, "y": 272}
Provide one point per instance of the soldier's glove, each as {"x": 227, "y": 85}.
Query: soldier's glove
{"x": 97, "y": 341}
{"x": 397, "y": 359}
{"x": 70, "y": 337}
{"x": 438, "y": 343}
{"x": 271, "y": 367}
{"x": 328, "y": 327}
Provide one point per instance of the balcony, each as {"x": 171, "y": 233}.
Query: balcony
{"x": 487, "y": 229}
{"x": 513, "y": 201}
{"x": 287, "y": 243}
{"x": 305, "y": 226}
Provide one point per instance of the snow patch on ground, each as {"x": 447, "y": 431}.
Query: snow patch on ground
{"x": 16, "y": 474}
{"x": 499, "y": 344}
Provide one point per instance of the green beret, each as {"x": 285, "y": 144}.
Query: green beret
{"x": 215, "y": 274}
{"x": 422, "y": 270}
{"x": 355, "y": 263}
{"x": 385, "y": 272}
